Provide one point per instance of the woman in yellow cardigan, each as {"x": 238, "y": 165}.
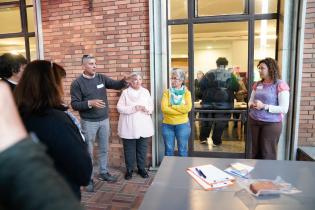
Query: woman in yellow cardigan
{"x": 176, "y": 104}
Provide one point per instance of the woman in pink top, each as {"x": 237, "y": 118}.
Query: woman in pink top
{"x": 268, "y": 103}
{"x": 135, "y": 125}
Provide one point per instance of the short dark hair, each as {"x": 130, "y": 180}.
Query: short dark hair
{"x": 222, "y": 61}
{"x": 273, "y": 68}
{"x": 10, "y": 63}
{"x": 40, "y": 87}
{"x": 84, "y": 57}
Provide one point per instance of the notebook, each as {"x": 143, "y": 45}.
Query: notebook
{"x": 210, "y": 177}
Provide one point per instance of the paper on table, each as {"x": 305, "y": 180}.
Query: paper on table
{"x": 239, "y": 169}
{"x": 207, "y": 186}
{"x": 212, "y": 173}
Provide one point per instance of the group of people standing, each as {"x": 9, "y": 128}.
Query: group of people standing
{"x": 39, "y": 95}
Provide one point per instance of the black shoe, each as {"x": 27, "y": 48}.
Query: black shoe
{"x": 90, "y": 187}
{"x": 143, "y": 173}
{"x": 128, "y": 174}
{"x": 217, "y": 144}
{"x": 107, "y": 177}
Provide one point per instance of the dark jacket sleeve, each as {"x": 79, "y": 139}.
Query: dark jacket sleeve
{"x": 28, "y": 180}
{"x": 70, "y": 152}
{"x": 77, "y": 102}
{"x": 114, "y": 84}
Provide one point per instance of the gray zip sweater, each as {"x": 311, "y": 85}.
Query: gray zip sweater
{"x": 83, "y": 89}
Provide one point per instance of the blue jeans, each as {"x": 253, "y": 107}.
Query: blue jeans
{"x": 101, "y": 130}
{"x": 182, "y": 134}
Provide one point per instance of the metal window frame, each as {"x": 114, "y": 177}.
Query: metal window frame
{"x": 24, "y": 32}
{"x": 249, "y": 16}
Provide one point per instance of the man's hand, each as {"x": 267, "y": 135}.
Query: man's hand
{"x": 11, "y": 126}
{"x": 97, "y": 103}
{"x": 127, "y": 78}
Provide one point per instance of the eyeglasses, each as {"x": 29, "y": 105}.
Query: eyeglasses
{"x": 175, "y": 79}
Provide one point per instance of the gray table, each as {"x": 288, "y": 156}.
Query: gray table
{"x": 174, "y": 189}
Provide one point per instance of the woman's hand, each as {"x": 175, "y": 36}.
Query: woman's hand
{"x": 259, "y": 105}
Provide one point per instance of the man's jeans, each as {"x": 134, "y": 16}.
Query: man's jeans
{"x": 101, "y": 130}
{"x": 182, "y": 134}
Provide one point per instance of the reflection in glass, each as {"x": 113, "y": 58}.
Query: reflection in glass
{"x": 265, "y": 42}
{"x": 30, "y": 19}
{"x": 220, "y": 7}
{"x": 33, "y": 48}
{"x": 10, "y": 20}
{"x": 178, "y": 48}
{"x": 177, "y": 9}
{"x": 266, "y": 6}
{"x": 12, "y": 45}
{"x": 222, "y": 80}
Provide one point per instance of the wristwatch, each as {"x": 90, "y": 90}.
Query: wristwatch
{"x": 266, "y": 107}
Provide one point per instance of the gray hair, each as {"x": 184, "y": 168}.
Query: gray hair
{"x": 86, "y": 58}
{"x": 136, "y": 73}
{"x": 179, "y": 72}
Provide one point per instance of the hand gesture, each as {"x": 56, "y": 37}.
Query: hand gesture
{"x": 140, "y": 108}
{"x": 11, "y": 127}
{"x": 97, "y": 103}
{"x": 258, "y": 105}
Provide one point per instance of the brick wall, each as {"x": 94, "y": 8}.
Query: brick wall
{"x": 116, "y": 32}
{"x": 307, "y": 115}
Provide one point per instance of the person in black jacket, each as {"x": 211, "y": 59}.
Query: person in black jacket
{"x": 217, "y": 87}
{"x": 39, "y": 99}
{"x": 28, "y": 179}
{"x": 11, "y": 68}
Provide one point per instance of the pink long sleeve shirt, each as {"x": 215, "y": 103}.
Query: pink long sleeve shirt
{"x": 134, "y": 124}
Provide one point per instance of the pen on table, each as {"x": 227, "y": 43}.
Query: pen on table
{"x": 201, "y": 173}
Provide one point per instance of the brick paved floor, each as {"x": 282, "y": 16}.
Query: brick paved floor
{"x": 122, "y": 195}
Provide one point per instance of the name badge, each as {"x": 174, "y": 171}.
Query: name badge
{"x": 100, "y": 86}
{"x": 260, "y": 87}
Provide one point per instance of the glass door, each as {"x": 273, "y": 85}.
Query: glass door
{"x": 220, "y": 78}
{"x": 218, "y": 44}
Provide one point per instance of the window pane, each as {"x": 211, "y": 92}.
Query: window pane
{"x": 266, "y": 6}
{"x": 265, "y": 42}
{"x": 29, "y": 2}
{"x": 178, "y": 47}
{"x": 177, "y": 9}
{"x": 10, "y": 20}
{"x": 30, "y": 19}
{"x": 220, "y": 7}
{"x": 12, "y": 45}
{"x": 217, "y": 91}
{"x": 33, "y": 48}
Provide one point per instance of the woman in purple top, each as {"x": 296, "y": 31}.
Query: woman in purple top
{"x": 268, "y": 103}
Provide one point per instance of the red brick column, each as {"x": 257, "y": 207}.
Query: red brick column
{"x": 116, "y": 32}
{"x": 307, "y": 114}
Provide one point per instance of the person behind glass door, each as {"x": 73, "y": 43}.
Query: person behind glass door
{"x": 11, "y": 68}
{"x": 176, "y": 104}
{"x": 217, "y": 88}
{"x": 135, "y": 124}
{"x": 198, "y": 94}
{"x": 39, "y": 97}
{"x": 269, "y": 101}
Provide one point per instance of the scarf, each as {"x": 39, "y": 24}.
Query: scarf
{"x": 177, "y": 95}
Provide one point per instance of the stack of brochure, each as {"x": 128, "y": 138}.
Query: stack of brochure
{"x": 210, "y": 177}
{"x": 239, "y": 169}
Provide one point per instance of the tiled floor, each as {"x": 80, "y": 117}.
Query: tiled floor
{"x": 122, "y": 195}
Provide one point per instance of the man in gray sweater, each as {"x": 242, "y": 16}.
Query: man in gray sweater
{"x": 89, "y": 97}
